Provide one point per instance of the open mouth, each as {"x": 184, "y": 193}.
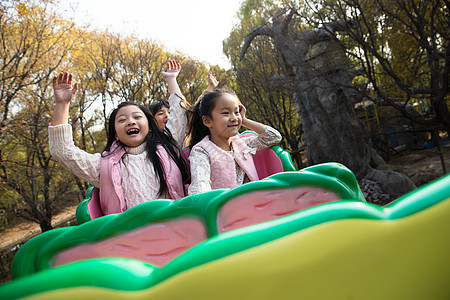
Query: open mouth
{"x": 132, "y": 131}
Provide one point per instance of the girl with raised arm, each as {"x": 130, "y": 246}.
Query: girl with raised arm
{"x": 139, "y": 163}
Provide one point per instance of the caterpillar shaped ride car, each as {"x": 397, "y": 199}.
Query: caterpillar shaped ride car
{"x": 305, "y": 234}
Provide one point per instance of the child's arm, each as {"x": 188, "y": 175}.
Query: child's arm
{"x": 61, "y": 146}
{"x": 267, "y": 136}
{"x": 200, "y": 171}
{"x": 173, "y": 69}
{"x": 212, "y": 84}
{"x": 177, "y": 118}
{"x": 250, "y": 124}
{"x": 64, "y": 93}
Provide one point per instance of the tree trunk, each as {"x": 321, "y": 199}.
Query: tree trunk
{"x": 331, "y": 128}
{"x": 324, "y": 103}
{"x": 45, "y": 225}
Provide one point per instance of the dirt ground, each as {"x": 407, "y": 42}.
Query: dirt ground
{"x": 422, "y": 166}
{"x": 13, "y": 235}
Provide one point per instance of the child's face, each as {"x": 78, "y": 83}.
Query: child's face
{"x": 161, "y": 117}
{"x": 131, "y": 126}
{"x": 226, "y": 119}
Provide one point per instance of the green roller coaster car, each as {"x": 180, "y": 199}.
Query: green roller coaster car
{"x": 342, "y": 249}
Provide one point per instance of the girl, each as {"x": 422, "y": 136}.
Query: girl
{"x": 219, "y": 158}
{"x": 140, "y": 162}
{"x": 160, "y": 110}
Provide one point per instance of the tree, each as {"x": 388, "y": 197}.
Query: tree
{"x": 402, "y": 47}
{"x": 29, "y": 36}
{"x": 25, "y": 163}
{"x": 137, "y": 69}
{"x": 34, "y": 43}
{"x": 324, "y": 99}
{"x": 273, "y": 105}
{"x": 99, "y": 55}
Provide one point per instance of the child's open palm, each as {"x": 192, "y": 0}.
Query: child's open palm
{"x": 173, "y": 69}
{"x": 212, "y": 81}
{"x": 63, "y": 89}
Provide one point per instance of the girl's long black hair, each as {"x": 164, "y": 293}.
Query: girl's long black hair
{"x": 154, "y": 138}
{"x": 196, "y": 130}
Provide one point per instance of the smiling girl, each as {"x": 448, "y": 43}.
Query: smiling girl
{"x": 140, "y": 162}
{"x": 219, "y": 158}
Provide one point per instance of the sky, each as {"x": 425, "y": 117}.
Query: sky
{"x": 194, "y": 27}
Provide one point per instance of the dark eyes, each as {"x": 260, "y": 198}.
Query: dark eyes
{"x": 227, "y": 113}
{"x": 136, "y": 117}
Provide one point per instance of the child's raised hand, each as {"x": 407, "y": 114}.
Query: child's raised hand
{"x": 173, "y": 69}
{"x": 212, "y": 81}
{"x": 63, "y": 89}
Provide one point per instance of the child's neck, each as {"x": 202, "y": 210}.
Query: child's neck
{"x": 224, "y": 144}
